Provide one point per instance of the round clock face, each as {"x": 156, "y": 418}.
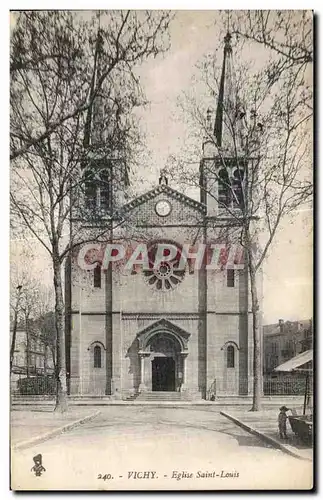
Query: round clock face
{"x": 163, "y": 208}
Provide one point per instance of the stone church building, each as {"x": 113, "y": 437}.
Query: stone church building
{"x": 166, "y": 333}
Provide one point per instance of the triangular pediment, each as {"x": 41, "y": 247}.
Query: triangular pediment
{"x": 169, "y": 192}
{"x": 165, "y": 326}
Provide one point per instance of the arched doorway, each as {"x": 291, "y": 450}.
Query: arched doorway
{"x": 165, "y": 362}
{"x": 162, "y": 352}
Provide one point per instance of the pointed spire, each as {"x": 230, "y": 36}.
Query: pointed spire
{"x": 228, "y": 110}
{"x": 88, "y": 129}
{"x": 218, "y": 127}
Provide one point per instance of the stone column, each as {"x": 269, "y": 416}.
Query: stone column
{"x": 142, "y": 356}
{"x": 183, "y": 356}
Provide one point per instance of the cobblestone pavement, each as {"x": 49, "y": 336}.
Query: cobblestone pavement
{"x": 140, "y": 448}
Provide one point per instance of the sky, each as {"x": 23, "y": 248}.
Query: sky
{"x": 288, "y": 269}
{"x": 287, "y": 273}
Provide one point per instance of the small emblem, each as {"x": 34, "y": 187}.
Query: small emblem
{"x": 38, "y": 468}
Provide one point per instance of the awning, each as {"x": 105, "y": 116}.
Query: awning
{"x": 296, "y": 363}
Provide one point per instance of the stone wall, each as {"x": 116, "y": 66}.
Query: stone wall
{"x": 213, "y": 314}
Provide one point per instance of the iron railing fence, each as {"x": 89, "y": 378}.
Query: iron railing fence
{"x": 34, "y": 386}
{"x": 272, "y": 386}
{"x": 286, "y": 386}
{"x": 291, "y": 385}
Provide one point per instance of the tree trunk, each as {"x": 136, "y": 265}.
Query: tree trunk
{"x": 14, "y": 331}
{"x": 60, "y": 372}
{"x": 13, "y": 341}
{"x": 27, "y": 347}
{"x": 257, "y": 365}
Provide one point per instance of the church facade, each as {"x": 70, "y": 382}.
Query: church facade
{"x": 163, "y": 330}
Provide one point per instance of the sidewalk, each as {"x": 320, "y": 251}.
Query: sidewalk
{"x": 28, "y": 426}
{"x": 239, "y": 403}
{"x": 264, "y": 424}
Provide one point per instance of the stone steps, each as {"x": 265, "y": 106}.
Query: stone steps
{"x": 162, "y": 396}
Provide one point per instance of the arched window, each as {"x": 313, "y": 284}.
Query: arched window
{"x": 97, "y": 276}
{"x": 97, "y": 189}
{"x": 230, "y": 356}
{"x": 224, "y": 189}
{"x": 238, "y": 175}
{"x": 104, "y": 190}
{"x": 97, "y": 356}
{"x": 90, "y": 190}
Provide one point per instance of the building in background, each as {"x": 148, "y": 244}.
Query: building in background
{"x": 284, "y": 340}
{"x": 32, "y": 355}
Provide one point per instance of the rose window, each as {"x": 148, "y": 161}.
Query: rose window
{"x": 167, "y": 275}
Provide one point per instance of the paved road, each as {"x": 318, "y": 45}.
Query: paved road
{"x": 168, "y": 443}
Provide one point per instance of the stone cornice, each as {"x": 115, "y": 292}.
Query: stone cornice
{"x": 135, "y": 316}
{"x": 174, "y": 316}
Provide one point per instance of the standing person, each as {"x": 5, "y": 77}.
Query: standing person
{"x": 282, "y": 417}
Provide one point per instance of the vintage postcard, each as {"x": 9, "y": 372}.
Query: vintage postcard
{"x": 161, "y": 184}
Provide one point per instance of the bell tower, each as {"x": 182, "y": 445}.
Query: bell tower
{"x": 223, "y": 165}
{"x": 105, "y": 172}
{"x": 224, "y": 191}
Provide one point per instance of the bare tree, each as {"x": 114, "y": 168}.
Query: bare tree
{"x": 54, "y": 46}
{"x": 29, "y": 299}
{"x": 287, "y": 33}
{"x": 259, "y": 157}
{"x": 287, "y": 38}
{"x": 74, "y": 152}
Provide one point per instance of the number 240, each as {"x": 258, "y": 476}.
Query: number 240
{"x": 105, "y": 476}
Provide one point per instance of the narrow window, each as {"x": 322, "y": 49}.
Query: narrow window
{"x": 230, "y": 278}
{"x": 230, "y": 356}
{"x": 237, "y": 188}
{"x": 104, "y": 190}
{"x": 90, "y": 191}
{"x": 224, "y": 188}
{"x": 97, "y": 277}
{"x": 97, "y": 356}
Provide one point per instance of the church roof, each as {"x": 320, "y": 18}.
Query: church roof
{"x": 172, "y": 193}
